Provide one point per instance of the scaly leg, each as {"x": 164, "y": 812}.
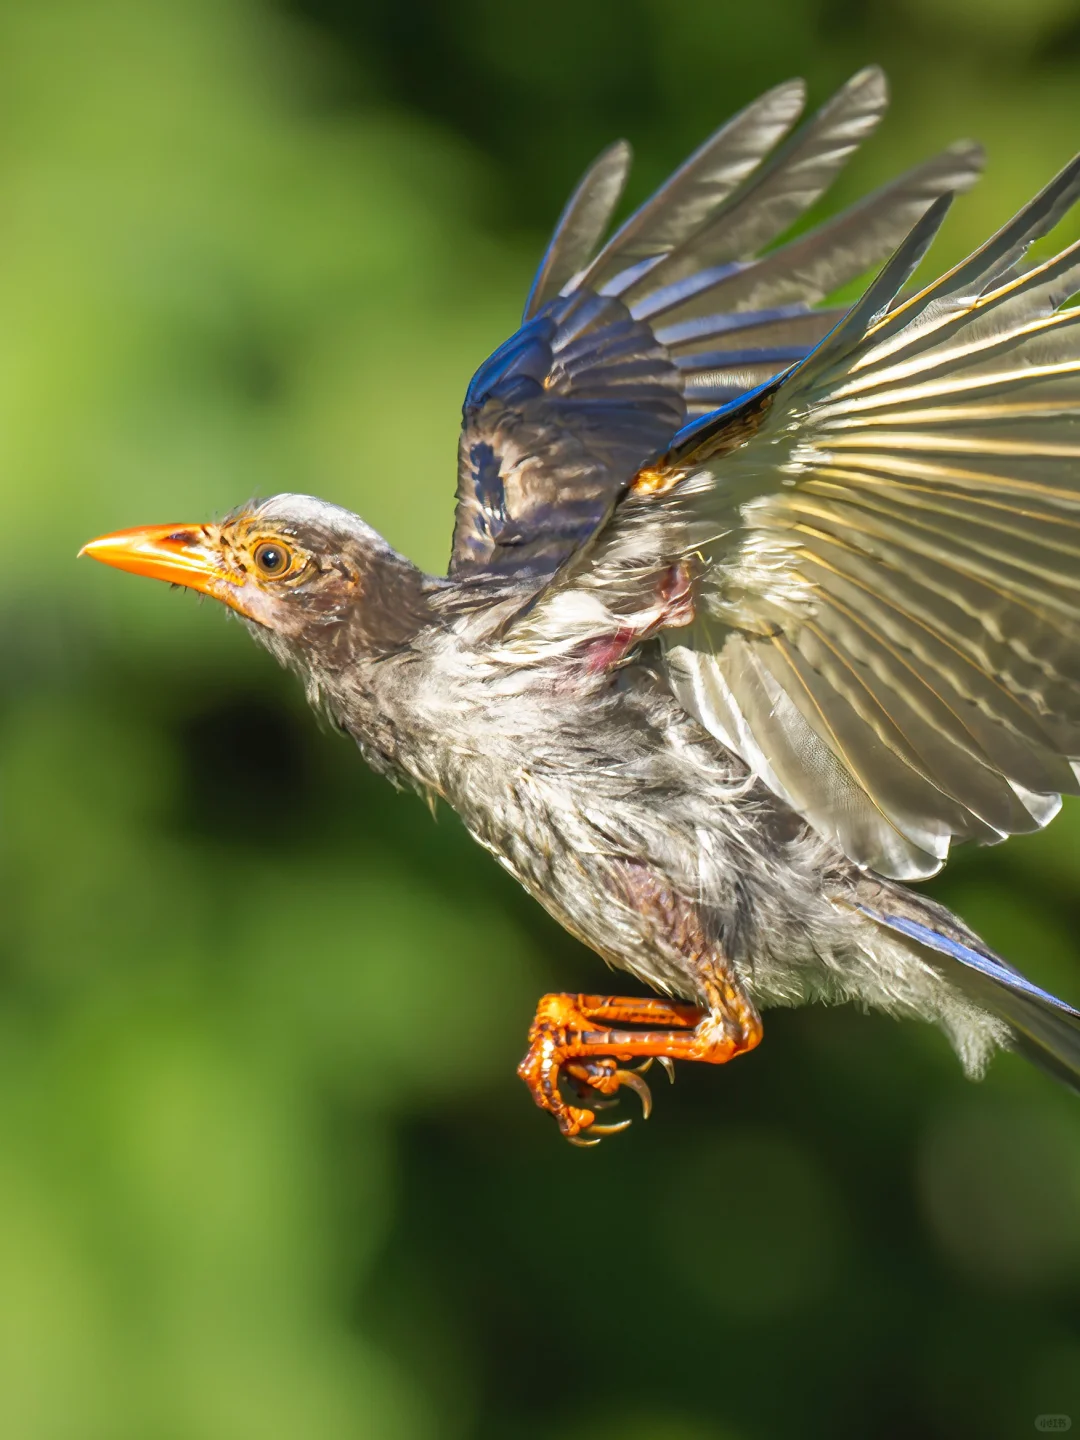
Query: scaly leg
{"x": 565, "y": 1038}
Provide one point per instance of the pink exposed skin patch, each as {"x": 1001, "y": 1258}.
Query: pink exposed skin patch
{"x": 676, "y": 593}
{"x": 603, "y": 654}
{"x": 674, "y": 608}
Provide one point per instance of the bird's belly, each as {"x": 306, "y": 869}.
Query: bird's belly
{"x": 591, "y": 878}
{"x": 646, "y": 841}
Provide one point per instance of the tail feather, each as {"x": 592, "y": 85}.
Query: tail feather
{"x": 1044, "y": 1029}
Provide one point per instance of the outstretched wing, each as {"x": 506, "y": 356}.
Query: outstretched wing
{"x": 676, "y": 313}
{"x": 888, "y": 617}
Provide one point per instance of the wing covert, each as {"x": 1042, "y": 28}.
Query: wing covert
{"x": 556, "y": 422}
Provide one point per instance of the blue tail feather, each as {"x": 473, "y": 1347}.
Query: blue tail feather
{"x": 1045, "y": 1029}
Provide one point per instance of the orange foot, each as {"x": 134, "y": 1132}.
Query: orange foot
{"x": 570, "y": 1038}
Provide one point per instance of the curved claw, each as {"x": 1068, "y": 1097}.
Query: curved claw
{"x": 632, "y": 1079}
{"x": 669, "y": 1066}
{"x": 581, "y": 1142}
{"x": 605, "y": 1130}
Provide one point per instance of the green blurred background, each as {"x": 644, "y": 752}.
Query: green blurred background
{"x": 266, "y": 1172}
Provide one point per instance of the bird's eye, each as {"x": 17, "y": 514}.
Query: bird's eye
{"x": 272, "y": 558}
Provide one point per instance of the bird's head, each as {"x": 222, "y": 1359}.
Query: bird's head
{"x": 318, "y": 585}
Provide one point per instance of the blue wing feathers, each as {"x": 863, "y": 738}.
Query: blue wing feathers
{"x": 526, "y": 353}
{"x": 559, "y": 419}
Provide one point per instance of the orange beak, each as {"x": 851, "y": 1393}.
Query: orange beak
{"x": 188, "y": 555}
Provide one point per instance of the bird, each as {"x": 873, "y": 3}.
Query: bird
{"x": 756, "y": 603}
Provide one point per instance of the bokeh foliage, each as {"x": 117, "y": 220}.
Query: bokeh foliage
{"x": 265, "y": 1170}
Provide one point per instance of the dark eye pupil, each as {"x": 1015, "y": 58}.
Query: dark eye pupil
{"x": 271, "y": 559}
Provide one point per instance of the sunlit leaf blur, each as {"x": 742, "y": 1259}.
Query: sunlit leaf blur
{"x": 265, "y": 1170}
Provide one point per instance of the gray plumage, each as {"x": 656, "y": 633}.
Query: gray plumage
{"x": 573, "y": 778}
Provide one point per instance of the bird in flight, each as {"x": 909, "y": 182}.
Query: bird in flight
{"x": 754, "y": 604}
